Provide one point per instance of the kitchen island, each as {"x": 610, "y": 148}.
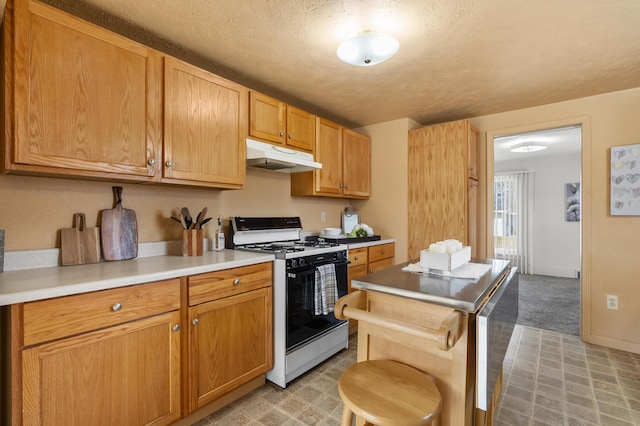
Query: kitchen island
{"x": 429, "y": 321}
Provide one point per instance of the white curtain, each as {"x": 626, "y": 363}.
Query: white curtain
{"x": 513, "y": 218}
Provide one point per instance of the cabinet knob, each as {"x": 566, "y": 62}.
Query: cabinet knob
{"x": 152, "y": 161}
{"x": 176, "y": 327}
{"x": 236, "y": 281}
{"x": 371, "y": 271}
{"x": 281, "y": 133}
{"x": 382, "y": 251}
{"x": 290, "y": 135}
{"x": 116, "y": 307}
{"x": 356, "y": 258}
{"x": 341, "y": 186}
{"x": 346, "y": 187}
{"x": 169, "y": 164}
{"x": 196, "y": 321}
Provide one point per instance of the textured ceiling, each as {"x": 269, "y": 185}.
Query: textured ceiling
{"x": 457, "y": 58}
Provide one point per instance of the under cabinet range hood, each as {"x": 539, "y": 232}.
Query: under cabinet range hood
{"x": 279, "y": 158}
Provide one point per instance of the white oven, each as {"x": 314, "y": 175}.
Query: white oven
{"x": 303, "y": 336}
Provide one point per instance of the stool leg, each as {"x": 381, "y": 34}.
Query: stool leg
{"x": 347, "y": 416}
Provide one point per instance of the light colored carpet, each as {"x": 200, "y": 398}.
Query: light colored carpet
{"x": 550, "y": 303}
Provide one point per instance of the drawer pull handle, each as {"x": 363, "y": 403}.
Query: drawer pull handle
{"x": 176, "y": 327}
{"x": 236, "y": 281}
{"x": 116, "y": 307}
{"x": 357, "y": 258}
{"x": 382, "y": 251}
{"x": 196, "y": 321}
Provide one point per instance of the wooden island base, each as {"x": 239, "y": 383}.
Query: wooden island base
{"x": 445, "y": 348}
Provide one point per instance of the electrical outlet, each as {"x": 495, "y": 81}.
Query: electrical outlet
{"x": 612, "y": 302}
{"x": 323, "y": 217}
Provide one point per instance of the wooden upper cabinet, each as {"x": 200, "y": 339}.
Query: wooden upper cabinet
{"x": 85, "y": 101}
{"x": 356, "y": 168}
{"x": 345, "y": 156}
{"x": 274, "y": 121}
{"x": 328, "y": 179}
{"x": 205, "y": 125}
{"x": 267, "y": 118}
{"x": 300, "y": 129}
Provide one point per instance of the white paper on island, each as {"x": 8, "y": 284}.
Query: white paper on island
{"x": 445, "y": 261}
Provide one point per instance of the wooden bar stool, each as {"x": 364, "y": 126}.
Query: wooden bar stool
{"x": 388, "y": 393}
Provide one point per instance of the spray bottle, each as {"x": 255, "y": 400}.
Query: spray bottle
{"x": 219, "y": 236}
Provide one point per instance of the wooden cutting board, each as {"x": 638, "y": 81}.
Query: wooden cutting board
{"x": 79, "y": 245}
{"x": 119, "y": 230}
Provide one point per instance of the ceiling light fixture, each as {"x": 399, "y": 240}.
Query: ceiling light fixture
{"x": 528, "y": 147}
{"x": 367, "y": 48}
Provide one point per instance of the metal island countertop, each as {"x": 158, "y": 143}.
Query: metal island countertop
{"x": 458, "y": 293}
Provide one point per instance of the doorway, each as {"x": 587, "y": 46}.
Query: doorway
{"x": 535, "y": 219}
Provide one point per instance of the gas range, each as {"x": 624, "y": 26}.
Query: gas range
{"x": 303, "y": 336}
{"x": 277, "y": 235}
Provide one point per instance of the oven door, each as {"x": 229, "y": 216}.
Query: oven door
{"x": 302, "y": 324}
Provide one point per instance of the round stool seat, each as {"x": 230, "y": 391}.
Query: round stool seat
{"x": 385, "y": 392}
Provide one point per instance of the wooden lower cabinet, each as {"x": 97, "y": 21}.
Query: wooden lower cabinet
{"x": 147, "y": 354}
{"x": 127, "y": 374}
{"x": 230, "y": 331}
{"x": 367, "y": 260}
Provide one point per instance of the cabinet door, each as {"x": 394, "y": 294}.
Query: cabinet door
{"x": 87, "y": 101}
{"x": 122, "y": 375}
{"x": 300, "y": 129}
{"x": 205, "y": 126}
{"x": 328, "y": 180}
{"x": 380, "y": 265}
{"x": 267, "y": 118}
{"x": 472, "y": 219}
{"x": 356, "y": 168}
{"x": 437, "y": 185}
{"x": 230, "y": 342}
{"x": 473, "y": 148}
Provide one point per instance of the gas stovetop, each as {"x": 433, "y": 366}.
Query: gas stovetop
{"x": 277, "y": 235}
{"x": 288, "y": 249}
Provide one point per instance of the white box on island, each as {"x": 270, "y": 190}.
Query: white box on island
{"x": 445, "y": 261}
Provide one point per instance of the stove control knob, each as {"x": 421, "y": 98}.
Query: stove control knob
{"x": 294, "y": 263}
{"x": 302, "y": 262}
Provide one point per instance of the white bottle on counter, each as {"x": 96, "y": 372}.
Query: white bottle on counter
{"x": 219, "y": 240}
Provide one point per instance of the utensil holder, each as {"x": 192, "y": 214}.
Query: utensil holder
{"x": 192, "y": 242}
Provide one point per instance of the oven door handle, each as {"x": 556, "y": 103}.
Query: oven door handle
{"x": 313, "y": 270}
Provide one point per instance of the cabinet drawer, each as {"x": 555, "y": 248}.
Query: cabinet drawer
{"x": 215, "y": 285}
{"x": 358, "y": 257}
{"x": 380, "y": 265}
{"x": 381, "y": 251}
{"x": 52, "y": 319}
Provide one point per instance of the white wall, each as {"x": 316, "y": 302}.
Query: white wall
{"x": 556, "y": 242}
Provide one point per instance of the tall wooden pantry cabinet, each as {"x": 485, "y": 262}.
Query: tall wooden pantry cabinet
{"x": 443, "y": 185}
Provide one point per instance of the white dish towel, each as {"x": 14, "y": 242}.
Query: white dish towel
{"x": 325, "y": 289}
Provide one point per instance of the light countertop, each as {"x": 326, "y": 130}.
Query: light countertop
{"x": 458, "y": 293}
{"x": 370, "y": 243}
{"x": 43, "y": 283}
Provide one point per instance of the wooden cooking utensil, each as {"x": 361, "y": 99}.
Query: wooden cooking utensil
{"x": 79, "y": 245}
{"x": 119, "y": 230}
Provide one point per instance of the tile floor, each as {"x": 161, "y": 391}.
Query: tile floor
{"x": 549, "y": 379}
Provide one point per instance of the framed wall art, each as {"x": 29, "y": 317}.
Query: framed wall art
{"x": 625, "y": 180}
{"x": 572, "y": 202}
